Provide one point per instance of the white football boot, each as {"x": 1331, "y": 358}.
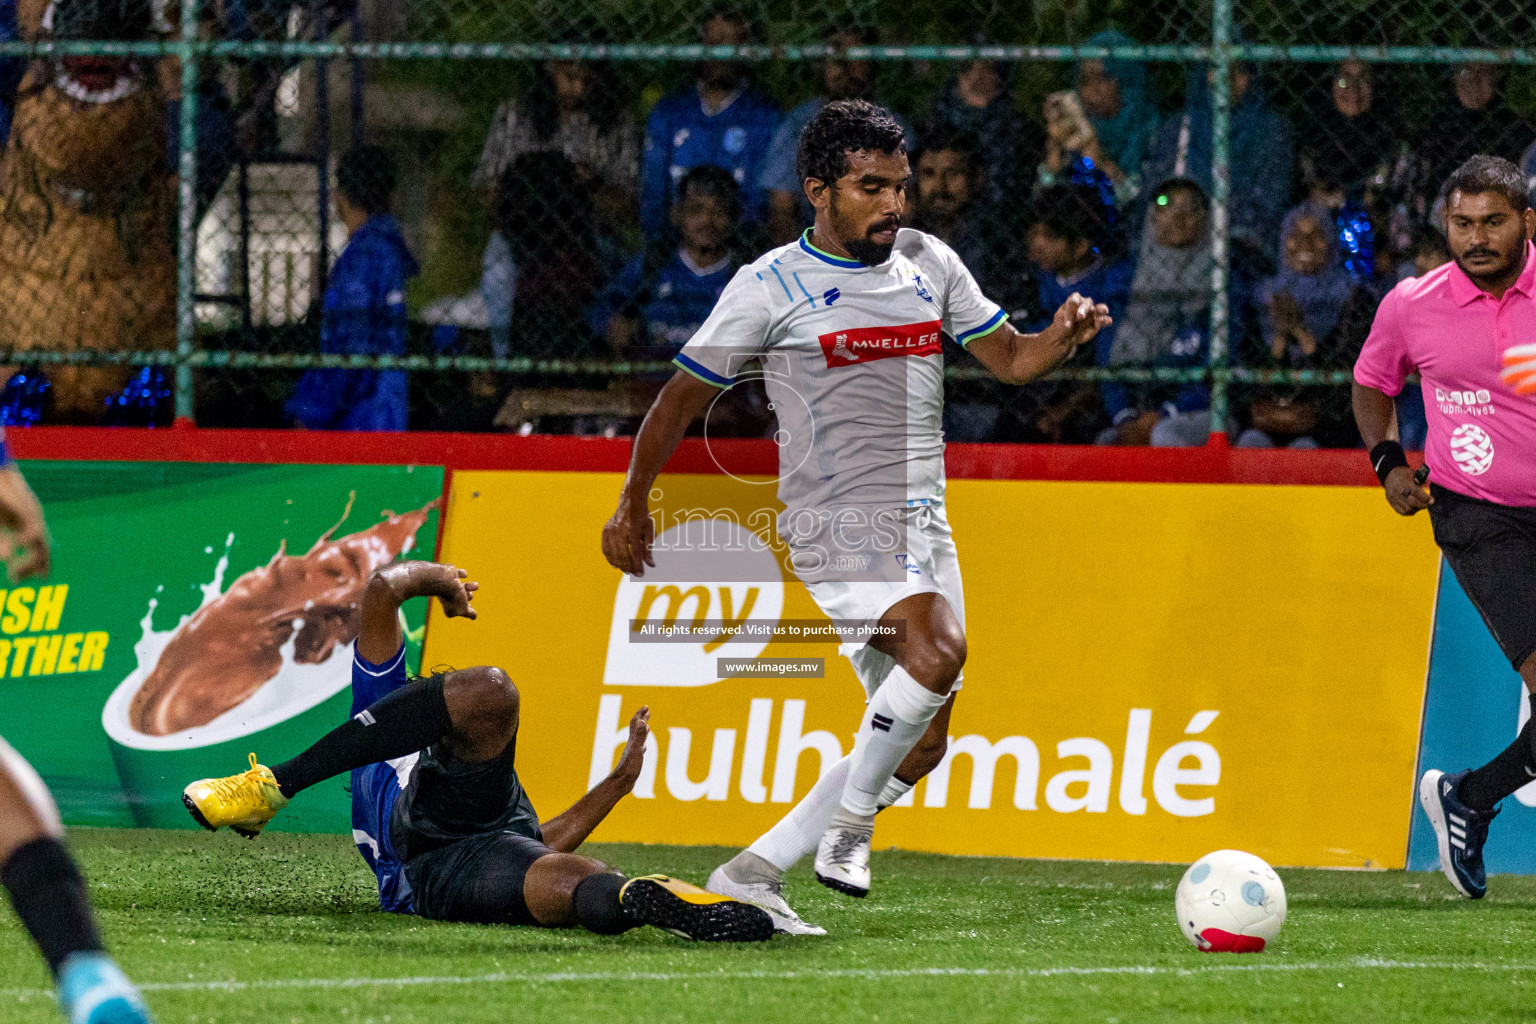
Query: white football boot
{"x": 842, "y": 858}
{"x": 769, "y": 896}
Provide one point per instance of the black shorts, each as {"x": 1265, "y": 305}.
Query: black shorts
{"x": 477, "y": 880}
{"x": 467, "y": 834}
{"x": 1492, "y": 550}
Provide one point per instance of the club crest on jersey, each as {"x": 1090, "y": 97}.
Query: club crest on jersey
{"x": 922, "y": 290}
{"x": 862, "y": 344}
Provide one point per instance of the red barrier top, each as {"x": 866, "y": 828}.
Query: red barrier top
{"x": 1216, "y": 463}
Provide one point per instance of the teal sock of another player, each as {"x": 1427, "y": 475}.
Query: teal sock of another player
{"x": 94, "y": 990}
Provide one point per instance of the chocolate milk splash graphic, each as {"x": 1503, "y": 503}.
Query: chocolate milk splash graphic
{"x": 232, "y": 645}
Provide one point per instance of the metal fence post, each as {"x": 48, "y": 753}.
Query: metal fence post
{"x": 1221, "y": 192}
{"x": 322, "y": 149}
{"x": 186, "y": 323}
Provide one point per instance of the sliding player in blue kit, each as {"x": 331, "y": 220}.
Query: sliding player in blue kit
{"x": 438, "y": 811}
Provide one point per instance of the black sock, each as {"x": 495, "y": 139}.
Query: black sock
{"x": 1483, "y": 788}
{"x": 50, "y": 898}
{"x": 596, "y": 904}
{"x": 412, "y": 718}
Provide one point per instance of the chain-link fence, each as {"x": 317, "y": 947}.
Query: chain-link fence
{"x": 473, "y": 216}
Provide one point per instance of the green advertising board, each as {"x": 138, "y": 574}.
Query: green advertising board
{"x": 196, "y": 613}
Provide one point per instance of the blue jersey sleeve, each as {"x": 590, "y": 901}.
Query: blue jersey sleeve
{"x": 372, "y": 682}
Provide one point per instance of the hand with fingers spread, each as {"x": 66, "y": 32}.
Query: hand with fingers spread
{"x": 21, "y": 517}
{"x": 454, "y": 591}
{"x": 627, "y": 772}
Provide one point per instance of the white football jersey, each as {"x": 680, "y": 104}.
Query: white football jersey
{"x": 852, "y": 363}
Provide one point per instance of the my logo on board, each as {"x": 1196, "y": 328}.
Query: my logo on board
{"x": 710, "y": 572}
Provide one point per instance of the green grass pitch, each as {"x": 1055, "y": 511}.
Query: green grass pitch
{"x": 286, "y": 928}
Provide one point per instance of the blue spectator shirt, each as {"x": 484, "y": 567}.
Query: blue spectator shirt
{"x": 680, "y": 136}
{"x": 363, "y": 313}
{"x": 1109, "y": 283}
{"x": 673, "y": 306}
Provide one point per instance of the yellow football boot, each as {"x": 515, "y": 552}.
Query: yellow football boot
{"x": 244, "y": 802}
{"x": 683, "y": 909}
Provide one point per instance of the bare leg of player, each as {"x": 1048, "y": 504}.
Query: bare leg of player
{"x": 50, "y": 898}
{"x": 756, "y": 874}
{"x": 928, "y": 662}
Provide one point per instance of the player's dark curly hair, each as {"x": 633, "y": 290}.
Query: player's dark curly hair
{"x": 843, "y": 127}
{"x": 366, "y": 176}
{"x": 1483, "y": 173}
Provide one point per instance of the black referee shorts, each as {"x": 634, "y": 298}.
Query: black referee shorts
{"x": 1492, "y": 550}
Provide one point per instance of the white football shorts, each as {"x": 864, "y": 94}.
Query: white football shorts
{"x": 932, "y": 566}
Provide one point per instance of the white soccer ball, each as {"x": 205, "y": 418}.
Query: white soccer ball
{"x": 1230, "y": 902}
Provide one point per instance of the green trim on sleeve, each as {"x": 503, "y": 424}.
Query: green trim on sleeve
{"x": 695, "y": 370}
{"x": 966, "y": 337}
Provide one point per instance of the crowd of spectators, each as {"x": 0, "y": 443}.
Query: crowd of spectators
{"x": 613, "y": 240}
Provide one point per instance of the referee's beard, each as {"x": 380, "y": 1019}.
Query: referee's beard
{"x": 858, "y": 238}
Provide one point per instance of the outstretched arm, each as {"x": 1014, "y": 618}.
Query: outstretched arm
{"x": 1016, "y": 358}
{"x": 627, "y": 536}
{"x": 564, "y": 832}
{"x": 396, "y": 583}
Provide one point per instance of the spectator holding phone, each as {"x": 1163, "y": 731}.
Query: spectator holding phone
{"x": 1110, "y": 119}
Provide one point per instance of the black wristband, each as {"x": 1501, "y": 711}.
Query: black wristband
{"x": 1386, "y": 457}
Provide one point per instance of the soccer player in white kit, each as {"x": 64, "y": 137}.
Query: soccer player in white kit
{"x": 846, "y": 326}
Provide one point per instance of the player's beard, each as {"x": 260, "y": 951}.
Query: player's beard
{"x": 871, "y": 254}
{"x": 860, "y": 247}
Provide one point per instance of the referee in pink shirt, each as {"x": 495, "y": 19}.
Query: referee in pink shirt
{"x": 1453, "y": 327}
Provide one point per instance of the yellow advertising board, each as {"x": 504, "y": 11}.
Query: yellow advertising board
{"x": 1155, "y": 670}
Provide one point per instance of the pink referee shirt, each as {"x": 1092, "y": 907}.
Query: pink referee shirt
{"x": 1482, "y": 436}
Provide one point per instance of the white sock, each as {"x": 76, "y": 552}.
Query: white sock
{"x": 893, "y": 791}
{"x": 895, "y": 720}
{"x": 797, "y": 833}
